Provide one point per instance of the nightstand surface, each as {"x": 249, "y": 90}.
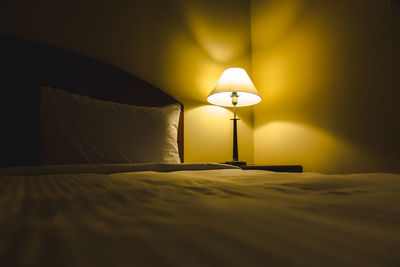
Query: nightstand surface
{"x": 274, "y": 168}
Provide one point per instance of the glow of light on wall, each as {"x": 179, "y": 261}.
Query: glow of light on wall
{"x": 291, "y": 57}
{"x": 230, "y": 40}
{"x": 282, "y": 17}
{"x": 213, "y": 110}
{"x": 293, "y": 143}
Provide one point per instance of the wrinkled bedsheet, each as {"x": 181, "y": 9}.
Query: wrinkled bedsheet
{"x": 102, "y": 216}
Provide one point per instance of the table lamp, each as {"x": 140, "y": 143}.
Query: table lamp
{"x": 234, "y": 89}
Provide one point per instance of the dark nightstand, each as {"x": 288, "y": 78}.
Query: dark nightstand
{"x": 274, "y": 168}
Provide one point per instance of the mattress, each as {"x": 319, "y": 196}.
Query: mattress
{"x": 196, "y": 215}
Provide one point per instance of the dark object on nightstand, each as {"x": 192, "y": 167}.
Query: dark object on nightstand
{"x": 274, "y": 168}
{"x": 237, "y": 163}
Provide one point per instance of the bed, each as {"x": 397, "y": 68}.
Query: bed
{"x": 171, "y": 213}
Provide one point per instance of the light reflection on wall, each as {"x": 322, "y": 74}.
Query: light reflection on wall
{"x": 210, "y": 23}
{"x": 211, "y": 37}
{"x": 330, "y": 68}
{"x": 210, "y": 130}
{"x": 277, "y": 19}
{"x": 294, "y": 143}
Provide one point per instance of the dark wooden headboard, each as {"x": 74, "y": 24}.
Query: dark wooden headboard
{"x": 27, "y": 65}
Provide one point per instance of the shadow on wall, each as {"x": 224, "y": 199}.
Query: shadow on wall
{"x": 328, "y": 69}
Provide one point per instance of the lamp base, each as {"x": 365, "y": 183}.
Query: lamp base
{"x": 237, "y": 163}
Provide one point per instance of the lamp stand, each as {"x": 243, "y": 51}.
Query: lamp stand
{"x": 235, "y": 160}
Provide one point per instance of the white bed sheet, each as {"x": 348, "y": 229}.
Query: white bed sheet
{"x": 220, "y": 217}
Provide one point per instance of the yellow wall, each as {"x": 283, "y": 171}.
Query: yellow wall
{"x": 181, "y": 46}
{"x": 328, "y": 72}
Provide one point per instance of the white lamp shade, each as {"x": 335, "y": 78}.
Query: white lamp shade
{"x": 234, "y": 80}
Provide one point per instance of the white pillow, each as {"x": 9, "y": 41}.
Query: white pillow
{"x": 80, "y": 129}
